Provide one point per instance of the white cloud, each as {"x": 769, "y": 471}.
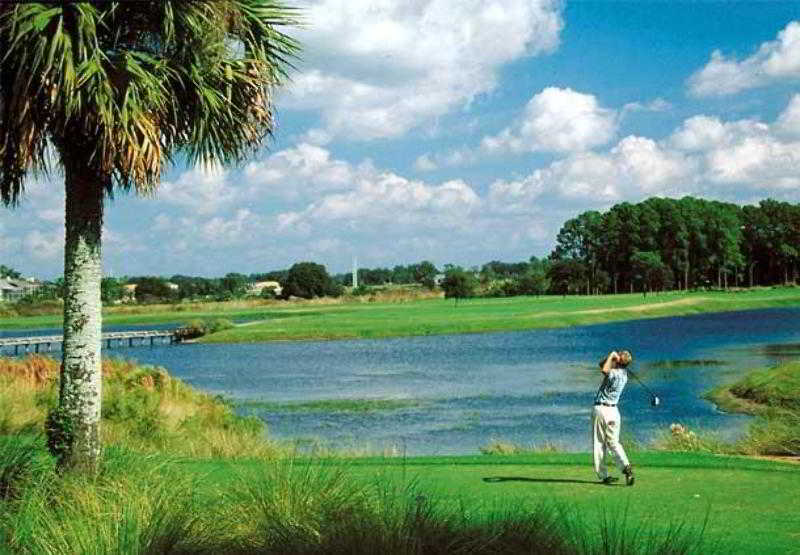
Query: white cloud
{"x": 789, "y": 120}
{"x": 390, "y": 199}
{"x": 452, "y": 158}
{"x": 241, "y": 227}
{"x": 52, "y": 215}
{"x": 302, "y": 171}
{"x": 655, "y": 105}
{"x": 759, "y": 161}
{"x": 774, "y": 61}
{"x": 44, "y": 245}
{"x": 200, "y": 189}
{"x": 316, "y": 137}
{"x": 736, "y": 161}
{"x": 377, "y": 68}
{"x": 636, "y": 167}
{"x": 557, "y": 120}
{"x": 698, "y": 133}
{"x": 425, "y": 163}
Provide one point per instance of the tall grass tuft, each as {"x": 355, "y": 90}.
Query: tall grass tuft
{"x": 614, "y": 534}
{"x": 296, "y": 507}
{"x": 143, "y": 408}
{"x": 21, "y": 460}
{"x": 135, "y": 505}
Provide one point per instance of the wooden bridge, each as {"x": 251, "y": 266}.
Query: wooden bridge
{"x": 46, "y": 343}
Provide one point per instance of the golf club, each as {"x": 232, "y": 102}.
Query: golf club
{"x": 654, "y": 399}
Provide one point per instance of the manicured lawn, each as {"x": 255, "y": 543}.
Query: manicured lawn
{"x": 441, "y": 316}
{"x": 363, "y": 319}
{"x": 751, "y": 505}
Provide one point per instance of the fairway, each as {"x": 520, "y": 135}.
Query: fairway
{"x": 440, "y": 316}
{"x": 349, "y": 318}
{"x": 751, "y": 505}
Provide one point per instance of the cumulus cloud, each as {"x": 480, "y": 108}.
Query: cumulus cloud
{"x": 634, "y": 168}
{"x": 737, "y": 161}
{"x": 425, "y": 163}
{"x": 45, "y": 245}
{"x": 451, "y": 158}
{"x": 378, "y": 68}
{"x": 301, "y": 170}
{"x": 204, "y": 190}
{"x": 789, "y": 120}
{"x": 775, "y": 60}
{"x": 390, "y": 199}
{"x": 655, "y": 105}
{"x": 557, "y": 120}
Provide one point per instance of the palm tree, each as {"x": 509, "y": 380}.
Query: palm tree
{"x": 111, "y": 92}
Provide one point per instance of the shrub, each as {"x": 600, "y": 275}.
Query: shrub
{"x": 219, "y": 324}
{"x": 192, "y": 330}
{"x": 681, "y": 438}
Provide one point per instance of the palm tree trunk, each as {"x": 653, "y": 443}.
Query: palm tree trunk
{"x": 81, "y": 367}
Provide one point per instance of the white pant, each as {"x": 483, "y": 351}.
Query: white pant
{"x": 606, "y": 423}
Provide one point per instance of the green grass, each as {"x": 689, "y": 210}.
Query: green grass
{"x": 154, "y": 496}
{"x": 356, "y": 319}
{"x": 483, "y": 315}
{"x": 773, "y": 395}
{"x": 762, "y": 390}
{"x": 540, "y": 503}
{"x": 671, "y": 488}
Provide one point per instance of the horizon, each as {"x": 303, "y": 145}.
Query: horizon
{"x": 466, "y": 132}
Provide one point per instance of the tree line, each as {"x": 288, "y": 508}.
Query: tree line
{"x": 685, "y": 243}
{"x": 658, "y": 244}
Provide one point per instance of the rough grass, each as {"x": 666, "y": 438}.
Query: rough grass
{"x": 773, "y": 395}
{"x": 143, "y": 407}
{"x": 154, "y": 505}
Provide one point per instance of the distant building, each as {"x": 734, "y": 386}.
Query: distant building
{"x": 258, "y": 287}
{"x": 14, "y": 289}
{"x": 129, "y": 293}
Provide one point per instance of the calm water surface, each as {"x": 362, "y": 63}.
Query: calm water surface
{"x": 464, "y": 391}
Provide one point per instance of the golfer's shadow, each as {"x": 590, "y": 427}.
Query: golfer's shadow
{"x": 496, "y": 479}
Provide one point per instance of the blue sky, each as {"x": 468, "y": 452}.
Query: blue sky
{"x": 463, "y": 131}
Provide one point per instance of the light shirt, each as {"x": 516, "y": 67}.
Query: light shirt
{"x": 612, "y": 386}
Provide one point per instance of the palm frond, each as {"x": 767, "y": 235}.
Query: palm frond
{"x": 126, "y": 86}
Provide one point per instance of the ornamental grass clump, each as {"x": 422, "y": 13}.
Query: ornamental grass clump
{"x": 144, "y": 408}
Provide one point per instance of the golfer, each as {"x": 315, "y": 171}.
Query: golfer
{"x": 606, "y": 420}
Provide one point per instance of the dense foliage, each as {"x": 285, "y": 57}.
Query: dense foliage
{"x": 659, "y": 244}
{"x": 308, "y": 280}
{"x": 423, "y": 273}
{"x": 666, "y": 243}
{"x": 458, "y": 283}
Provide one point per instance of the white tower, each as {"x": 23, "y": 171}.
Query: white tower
{"x": 355, "y": 272}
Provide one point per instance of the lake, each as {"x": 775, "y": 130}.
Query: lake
{"x": 453, "y": 394}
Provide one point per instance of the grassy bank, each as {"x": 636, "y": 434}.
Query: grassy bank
{"x": 773, "y": 395}
{"x": 342, "y": 319}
